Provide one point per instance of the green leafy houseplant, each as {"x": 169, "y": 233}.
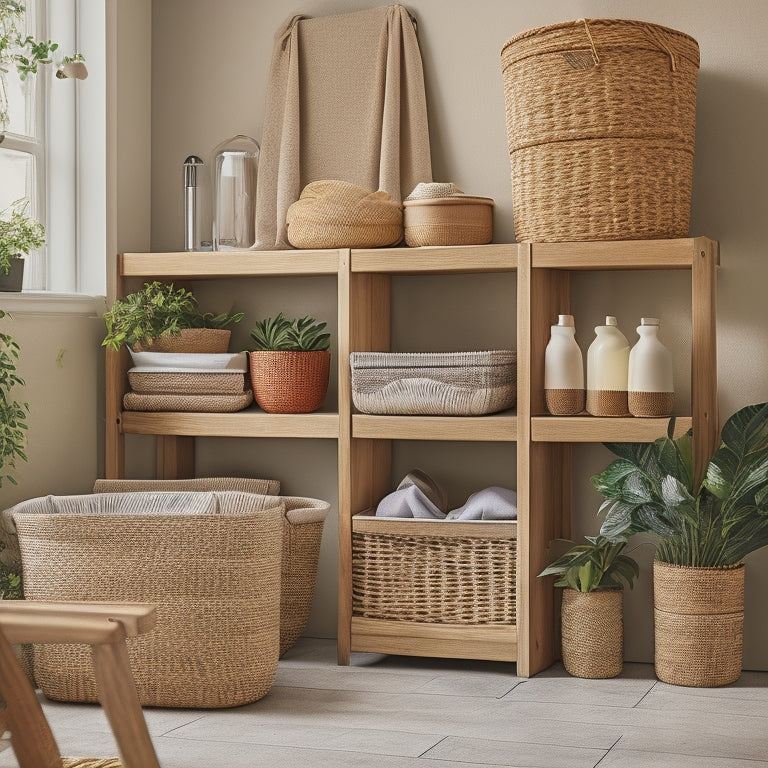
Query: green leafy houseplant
{"x": 279, "y": 333}
{"x": 650, "y": 488}
{"x": 13, "y": 414}
{"x": 597, "y": 565}
{"x": 19, "y": 234}
{"x": 158, "y": 310}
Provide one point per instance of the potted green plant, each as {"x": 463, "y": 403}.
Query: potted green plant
{"x": 290, "y": 365}
{"x": 702, "y": 534}
{"x": 592, "y": 624}
{"x": 19, "y": 235}
{"x": 162, "y": 318}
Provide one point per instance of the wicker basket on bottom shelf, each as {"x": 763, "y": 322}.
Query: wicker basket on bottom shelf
{"x": 448, "y": 577}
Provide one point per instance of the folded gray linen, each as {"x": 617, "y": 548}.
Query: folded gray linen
{"x": 409, "y": 501}
{"x": 492, "y": 503}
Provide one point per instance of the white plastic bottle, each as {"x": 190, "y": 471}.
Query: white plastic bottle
{"x": 607, "y": 368}
{"x": 563, "y": 370}
{"x": 650, "y": 384}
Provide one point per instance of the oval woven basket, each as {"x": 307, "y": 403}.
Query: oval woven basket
{"x": 289, "y": 382}
{"x": 593, "y": 633}
{"x": 698, "y": 624}
{"x": 189, "y": 340}
{"x": 601, "y": 121}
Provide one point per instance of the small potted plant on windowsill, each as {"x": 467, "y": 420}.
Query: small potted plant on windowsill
{"x": 19, "y": 235}
{"x": 161, "y": 318}
{"x": 702, "y": 534}
{"x": 592, "y": 621}
{"x": 291, "y": 364}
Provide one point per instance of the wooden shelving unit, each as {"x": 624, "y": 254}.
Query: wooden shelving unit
{"x": 364, "y": 443}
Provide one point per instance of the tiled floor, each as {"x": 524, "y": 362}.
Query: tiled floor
{"x": 399, "y": 712}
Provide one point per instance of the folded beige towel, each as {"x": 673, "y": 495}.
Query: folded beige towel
{"x": 345, "y": 101}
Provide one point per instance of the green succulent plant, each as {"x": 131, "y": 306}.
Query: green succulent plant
{"x": 595, "y": 566}
{"x": 158, "y": 309}
{"x": 281, "y": 334}
{"x": 650, "y": 488}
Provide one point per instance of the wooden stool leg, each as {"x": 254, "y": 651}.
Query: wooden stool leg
{"x": 118, "y": 697}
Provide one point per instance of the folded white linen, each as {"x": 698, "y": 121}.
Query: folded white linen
{"x": 409, "y": 501}
{"x": 494, "y": 503}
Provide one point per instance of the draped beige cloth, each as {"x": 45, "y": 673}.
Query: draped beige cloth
{"x": 345, "y": 101}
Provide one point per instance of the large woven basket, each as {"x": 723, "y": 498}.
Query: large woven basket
{"x": 592, "y": 633}
{"x": 698, "y": 624}
{"x": 434, "y": 383}
{"x": 210, "y": 562}
{"x": 290, "y": 382}
{"x": 207, "y": 340}
{"x": 302, "y": 534}
{"x": 601, "y": 121}
{"x": 401, "y": 573}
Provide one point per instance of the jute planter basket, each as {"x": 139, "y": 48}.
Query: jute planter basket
{"x": 601, "y": 119}
{"x": 698, "y": 624}
{"x": 593, "y": 633}
{"x": 290, "y": 382}
{"x": 208, "y": 340}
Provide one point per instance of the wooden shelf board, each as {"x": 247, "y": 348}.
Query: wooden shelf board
{"x": 248, "y": 423}
{"x": 433, "y": 259}
{"x": 206, "y": 265}
{"x": 494, "y": 428}
{"x": 482, "y": 529}
{"x": 591, "y": 429}
{"x": 448, "y": 641}
{"x": 608, "y": 255}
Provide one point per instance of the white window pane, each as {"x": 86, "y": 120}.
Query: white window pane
{"x": 18, "y": 173}
{"x": 21, "y": 96}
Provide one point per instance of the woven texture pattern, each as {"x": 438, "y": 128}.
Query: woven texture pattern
{"x": 698, "y": 624}
{"x": 210, "y": 562}
{"x": 290, "y": 382}
{"x": 592, "y": 633}
{"x": 434, "y": 383}
{"x": 460, "y": 220}
{"x": 601, "y": 118}
{"x": 337, "y": 214}
{"x": 146, "y": 383}
{"x": 653, "y": 404}
{"x": 433, "y": 579}
{"x": 607, "y": 402}
{"x": 90, "y": 762}
{"x": 564, "y": 402}
{"x": 133, "y": 401}
{"x": 302, "y": 533}
{"x": 190, "y": 340}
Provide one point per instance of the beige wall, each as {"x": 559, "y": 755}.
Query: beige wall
{"x": 209, "y": 68}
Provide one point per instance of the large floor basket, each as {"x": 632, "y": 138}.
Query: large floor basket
{"x": 601, "y": 122}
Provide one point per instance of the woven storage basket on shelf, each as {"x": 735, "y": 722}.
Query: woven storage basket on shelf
{"x": 698, "y": 624}
{"x": 459, "y": 220}
{"x": 302, "y": 533}
{"x": 288, "y": 381}
{"x": 434, "y": 383}
{"x": 207, "y": 340}
{"x": 442, "y": 578}
{"x": 601, "y": 122}
{"x": 148, "y": 382}
{"x": 592, "y": 633}
{"x": 210, "y": 562}
{"x": 133, "y": 401}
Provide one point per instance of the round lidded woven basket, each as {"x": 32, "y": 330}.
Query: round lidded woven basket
{"x": 593, "y": 633}
{"x": 289, "y": 382}
{"x": 601, "y": 120}
{"x": 458, "y": 220}
{"x": 698, "y": 624}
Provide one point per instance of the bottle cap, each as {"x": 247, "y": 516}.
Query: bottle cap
{"x": 610, "y": 320}
{"x": 649, "y": 321}
{"x": 566, "y": 320}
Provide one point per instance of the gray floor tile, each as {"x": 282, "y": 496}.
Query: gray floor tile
{"x": 514, "y": 754}
{"x": 626, "y": 758}
{"x": 616, "y": 692}
{"x": 704, "y": 700}
{"x": 728, "y": 737}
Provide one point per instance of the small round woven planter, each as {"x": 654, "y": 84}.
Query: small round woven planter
{"x": 211, "y": 340}
{"x": 698, "y": 624}
{"x": 592, "y": 633}
{"x": 289, "y": 382}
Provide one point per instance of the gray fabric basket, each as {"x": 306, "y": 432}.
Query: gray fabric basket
{"x": 434, "y": 383}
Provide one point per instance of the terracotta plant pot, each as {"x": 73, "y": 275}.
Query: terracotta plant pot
{"x": 13, "y": 280}
{"x": 210, "y": 340}
{"x": 290, "y": 382}
{"x": 593, "y": 633}
{"x": 698, "y": 624}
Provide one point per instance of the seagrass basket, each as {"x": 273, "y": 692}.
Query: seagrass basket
{"x": 698, "y": 624}
{"x": 208, "y": 340}
{"x": 438, "y": 572}
{"x": 592, "y": 633}
{"x": 601, "y": 122}
{"x": 211, "y": 564}
{"x": 289, "y": 382}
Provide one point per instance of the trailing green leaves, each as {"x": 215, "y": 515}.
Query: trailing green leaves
{"x": 13, "y": 414}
